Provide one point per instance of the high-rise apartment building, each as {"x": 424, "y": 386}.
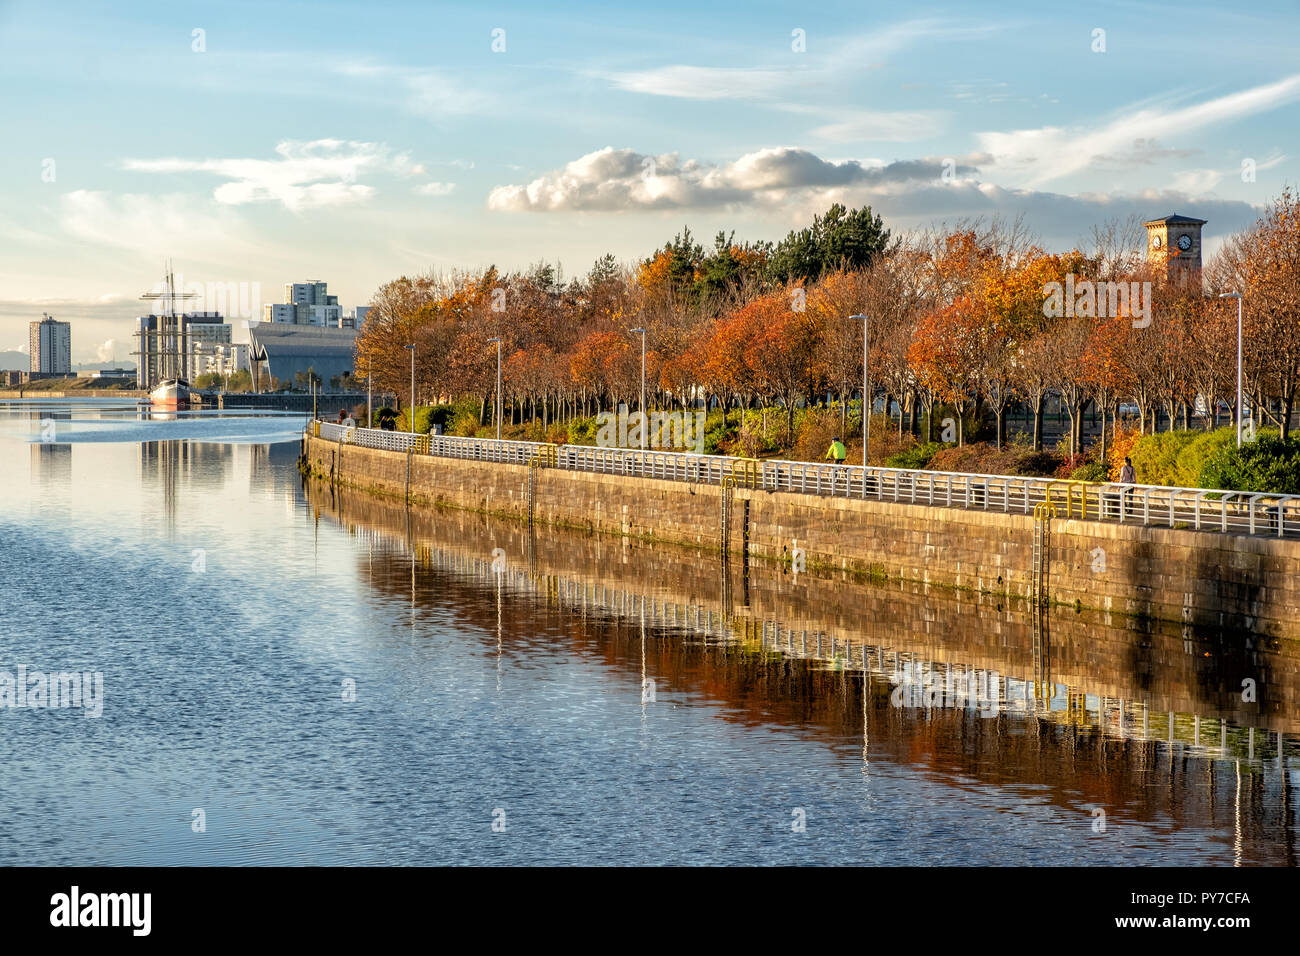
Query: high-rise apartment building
{"x": 306, "y": 303}
{"x": 50, "y": 346}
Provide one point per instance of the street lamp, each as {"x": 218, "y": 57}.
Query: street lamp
{"x": 645, "y": 420}
{"x": 1237, "y": 296}
{"x": 370, "y": 415}
{"x": 498, "y": 403}
{"x": 866, "y": 390}
{"x": 411, "y": 414}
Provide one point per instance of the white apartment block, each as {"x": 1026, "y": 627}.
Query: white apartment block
{"x": 222, "y": 358}
{"x": 50, "y": 346}
{"x": 309, "y": 303}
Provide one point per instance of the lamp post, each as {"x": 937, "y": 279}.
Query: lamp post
{"x": 645, "y": 419}
{"x": 866, "y": 390}
{"x": 1237, "y": 296}
{"x": 411, "y": 412}
{"x": 498, "y": 401}
{"x": 370, "y": 415}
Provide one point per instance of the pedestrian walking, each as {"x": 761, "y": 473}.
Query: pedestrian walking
{"x": 1127, "y": 476}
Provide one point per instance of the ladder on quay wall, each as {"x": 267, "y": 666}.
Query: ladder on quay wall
{"x": 1040, "y": 576}
{"x": 728, "y": 505}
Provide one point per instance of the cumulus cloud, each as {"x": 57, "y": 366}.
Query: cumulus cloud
{"x": 612, "y": 179}
{"x": 793, "y": 184}
{"x": 305, "y": 175}
{"x": 107, "y": 351}
{"x": 436, "y": 189}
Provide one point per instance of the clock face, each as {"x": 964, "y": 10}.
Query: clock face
{"x": 1184, "y": 243}
{"x": 1155, "y": 241}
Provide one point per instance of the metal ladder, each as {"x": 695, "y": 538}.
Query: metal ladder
{"x": 1040, "y": 576}
{"x": 728, "y": 504}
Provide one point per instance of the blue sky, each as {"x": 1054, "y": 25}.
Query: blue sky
{"x": 357, "y": 142}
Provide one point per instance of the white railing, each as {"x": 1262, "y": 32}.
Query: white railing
{"x": 1237, "y": 512}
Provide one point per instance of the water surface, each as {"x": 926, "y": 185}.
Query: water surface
{"x": 598, "y": 702}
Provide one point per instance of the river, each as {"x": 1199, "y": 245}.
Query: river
{"x": 298, "y": 674}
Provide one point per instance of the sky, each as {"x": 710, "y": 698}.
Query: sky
{"x": 260, "y": 143}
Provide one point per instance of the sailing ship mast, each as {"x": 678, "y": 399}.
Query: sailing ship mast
{"x": 164, "y": 350}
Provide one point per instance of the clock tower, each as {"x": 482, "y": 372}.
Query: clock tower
{"x": 1174, "y": 243}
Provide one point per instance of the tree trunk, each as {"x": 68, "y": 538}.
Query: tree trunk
{"x": 1040, "y": 401}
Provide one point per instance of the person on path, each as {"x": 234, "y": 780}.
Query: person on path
{"x": 1127, "y": 476}
{"x": 837, "y": 452}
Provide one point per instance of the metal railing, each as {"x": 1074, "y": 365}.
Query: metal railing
{"x": 1237, "y": 512}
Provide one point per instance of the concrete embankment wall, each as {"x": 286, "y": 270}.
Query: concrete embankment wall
{"x": 1203, "y": 579}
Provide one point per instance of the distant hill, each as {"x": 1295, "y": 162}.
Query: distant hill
{"x": 18, "y": 362}
{"x": 82, "y": 366}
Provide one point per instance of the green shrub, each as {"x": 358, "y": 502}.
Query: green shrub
{"x": 1178, "y": 457}
{"x": 421, "y": 420}
{"x": 444, "y": 416}
{"x": 717, "y": 436}
{"x": 1155, "y": 457}
{"x": 756, "y": 436}
{"x": 464, "y": 418}
{"x": 1089, "y": 471}
{"x": 918, "y": 456}
{"x": 1202, "y": 448}
{"x": 1266, "y": 464}
{"x": 582, "y": 431}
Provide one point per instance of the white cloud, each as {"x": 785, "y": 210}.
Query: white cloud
{"x": 1195, "y": 182}
{"x": 834, "y": 56}
{"x": 857, "y": 126}
{"x": 1051, "y": 152}
{"x": 173, "y": 223}
{"x": 107, "y": 351}
{"x": 794, "y": 184}
{"x": 306, "y": 175}
{"x": 612, "y": 179}
{"x": 436, "y": 189}
{"x": 704, "y": 82}
{"x": 428, "y": 93}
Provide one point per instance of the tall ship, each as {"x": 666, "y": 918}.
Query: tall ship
{"x": 170, "y": 395}
{"x": 165, "y": 344}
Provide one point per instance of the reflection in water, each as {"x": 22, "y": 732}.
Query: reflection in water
{"x": 51, "y": 464}
{"x": 600, "y": 692}
{"x": 1140, "y": 719}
